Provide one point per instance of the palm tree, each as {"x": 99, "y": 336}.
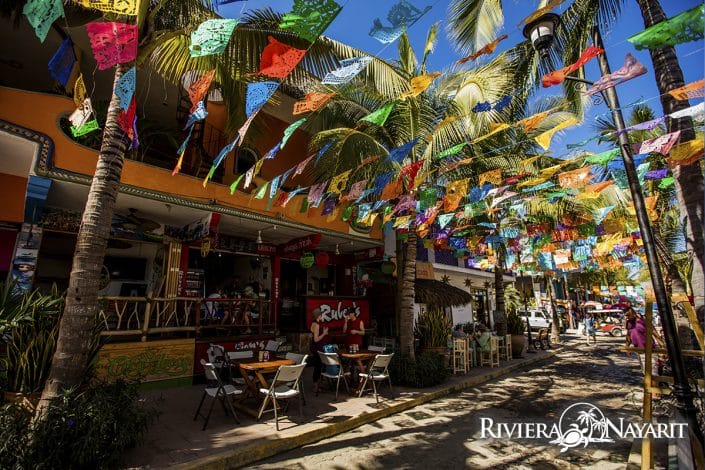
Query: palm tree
{"x": 473, "y": 23}
{"x": 77, "y": 327}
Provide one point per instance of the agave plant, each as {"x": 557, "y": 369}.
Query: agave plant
{"x": 432, "y": 328}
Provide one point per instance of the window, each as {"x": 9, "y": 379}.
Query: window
{"x": 245, "y": 159}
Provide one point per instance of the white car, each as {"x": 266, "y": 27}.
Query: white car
{"x": 537, "y": 319}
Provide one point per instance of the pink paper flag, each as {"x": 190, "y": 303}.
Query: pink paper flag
{"x": 632, "y": 68}
{"x": 661, "y": 144}
{"x": 112, "y": 43}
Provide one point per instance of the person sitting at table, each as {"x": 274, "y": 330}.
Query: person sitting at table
{"x": 458, "y": 331}
{"x": 319, "y": 339}
{"x": 354, "y": 329}
{"x": 249, "y": 307}
{"x": 483, "y": 340}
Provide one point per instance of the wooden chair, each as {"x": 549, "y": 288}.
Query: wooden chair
{"x": 217, "y": 390}
{"x": 332, "y": 360}
{"x": 460, "y": 355}
{"x": 503, "y": 348}
{"x": 491, "y": 355}
{"x": 285, "y": 386}
{"x": 378, "y": 371}
{"x": 508, "y": 345}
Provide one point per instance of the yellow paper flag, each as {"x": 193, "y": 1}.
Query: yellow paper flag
{"x": 121, "y": 7}
{"x": 544, "y": 139}
{"x": 420, "y": 84}
{"x": 686, "y": 153}
{"x": 79, "y": 91}
{"x": 495, "y": 128}
{"x": 492, "y": 176}
{"x": 338, "y": 182}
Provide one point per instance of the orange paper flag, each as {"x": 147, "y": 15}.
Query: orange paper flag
{"x": 312, "y": 102}
{"x": 198, "y": 89}
{"x": 486, "y": 49}
{"x": 420, "y": 84}
{"x": 576, "y": 178}
{"x": 690, "y": 91}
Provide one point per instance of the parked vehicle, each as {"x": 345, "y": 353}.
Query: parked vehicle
{"x": 536, "y": 319}
{"x": 611, "y": 321}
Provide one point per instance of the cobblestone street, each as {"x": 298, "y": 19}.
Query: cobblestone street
{"x": 445, "y": 433}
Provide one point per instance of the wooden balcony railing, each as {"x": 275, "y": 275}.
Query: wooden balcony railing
{"x": 145, "y": 316}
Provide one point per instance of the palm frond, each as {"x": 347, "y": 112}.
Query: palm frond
{"x": 473, "y": 23}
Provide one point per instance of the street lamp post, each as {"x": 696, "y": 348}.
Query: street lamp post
{"x": 541, "y": 34}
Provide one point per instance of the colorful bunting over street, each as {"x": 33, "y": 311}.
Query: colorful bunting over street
{"x": 632, "y": 68}
{"x": 696, "y": 112}
{"x": 398, "y": 154}
{"x": 309, "y": 18}
{"x": 125, "y": 87}
{"x": 90, "y": 126}
{"x": 576, "y": 178}
{"x": 685, "y": 27}
{"x": 557, "y": 76}
{"x": 112, "y": 43}
{"x": 279, "y": 59}
{"x": 347, "y": 71}
{"x": 486, "y": 49}
{"x": 451, "y": 151}
{"x": 62, "y": 62}
{"x": 686, "y": 153}
{"x": 120, "y": 7}
{"x": 312, "y": 102}
{"x": 82, "y": 114}
{"x": 211, "y": 37}
{"x": 41, "y": 14}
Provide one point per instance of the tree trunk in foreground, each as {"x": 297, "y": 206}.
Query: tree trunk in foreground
{"x": 77, "y": 327}
{"x": 690, "y": 187}
{"x": 500, "y": 320}
{"x": 407, "y": 297}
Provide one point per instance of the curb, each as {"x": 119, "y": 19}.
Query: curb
{"x": 241, "y": 456}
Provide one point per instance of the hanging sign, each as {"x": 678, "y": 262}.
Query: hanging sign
{"x": 308, "y": 242}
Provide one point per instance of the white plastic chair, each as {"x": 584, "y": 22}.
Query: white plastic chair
{"x": 235, "y": 356}
{"x": 378, "y": 371}
{"x": 217, "y": 390}
{"x": 217, "y": 357}
{"x": 285, "y": 386}
{"x": 299, "y": 359}
{"x": 332, "y": 360}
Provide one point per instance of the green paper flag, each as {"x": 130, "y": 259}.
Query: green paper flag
{"x": 309, "y": 18}
{"x": 211, "y": 172}
{"x": 290, "y": 130}
{"x": 304, "y": 206}
{"x": 603, "y": 158}
{"x": 235, "y": 183}
{"x": 262, "y": 191}
{"x": 686, "y": 27}
{"x": 211, "y": 37}
{"x": 666, "y": 182}
{"x": 90, "y": 126}
{"x": 451, "y": 151}
{"x": 347, "y": 213}
{"x": 380, "y": 116}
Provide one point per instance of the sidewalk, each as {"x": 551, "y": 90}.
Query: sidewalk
{"x": 176, "y": 441}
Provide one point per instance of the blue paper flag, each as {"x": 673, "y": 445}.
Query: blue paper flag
{"x": 400, "y": 16}
{"x": 398, "y": 154}
{"x": 199, "y": 114}
{"x": 62, "y": 62}
{"x": 257, "y": 95}
{"x": 273, "y": 151}
{"x": 126, "y": 88}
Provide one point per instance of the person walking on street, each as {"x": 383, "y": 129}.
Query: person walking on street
{"x": 590, "y": 328}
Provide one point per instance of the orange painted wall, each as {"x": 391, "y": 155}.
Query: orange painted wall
{"x": 12, "y": 193}
{"x": 20, "y": 107}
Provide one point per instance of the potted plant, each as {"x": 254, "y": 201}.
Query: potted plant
{"x": 433, "y": 329}
{"x": 516, "y": 328}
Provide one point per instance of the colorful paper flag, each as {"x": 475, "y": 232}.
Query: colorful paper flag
{"x": 82, "y": 114}
{"x": 557, "y": 76}
{"x": 685, "y": 27}
{"x": 420, "y": 84}
{"x": 257, "y": 95}
{"x": 576, "y": 178}
{"x": 79, "y": 91}
{"x": 544, "y": 139}
{"x": 690, "y": 91}
{"x": 312, "y": 102}
{"x": 661, "y": 144}
{"x": 279, "y": 59}
{"x": 211, "y": 37}
{"x": 488, "y": 49}
{"x": 119, "y": 7}
{"x": 89, "y": 126}
{"x": 309, "y": 18}
{"x": 349, "y": 68}
{"x": 41, "y": 14}
{"x": 400, "y": 16}
{"x": 62, "y": 62}
{"x": 199, "y": 88}
{"x": 379, "y": 117}
{"x": 112, "y": 43}
{"x": 632, "y": 68}
{"x": 125, "y": 87}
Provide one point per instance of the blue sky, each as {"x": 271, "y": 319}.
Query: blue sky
{"x": 354, "y": 22}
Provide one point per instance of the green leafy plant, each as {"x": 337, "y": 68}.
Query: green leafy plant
{"x": 81, "y": 429}
{"x": 29, "y": 326}
{"x": 515, "y": 325}
{"x": 433, "y": 328}
{"x": 512, "y": 298}
{"x": 427, "y": 370}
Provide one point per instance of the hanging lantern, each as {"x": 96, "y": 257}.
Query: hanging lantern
{"x": 205, "y": 247}
{"x": 322, "y": 259}
{"x": 306, "y": 259}
{"x": 388, "y": 267}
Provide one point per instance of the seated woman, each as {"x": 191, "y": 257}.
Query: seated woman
{"x": 483, "y": 340}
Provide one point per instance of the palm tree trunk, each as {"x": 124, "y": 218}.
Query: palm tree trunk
{"x": 688, "y": 179}
{"x": 407, "y": 294}
{"x": 555, "y": 321}
{"x": 500, "y": 321}
{"x": 77, "y": 327}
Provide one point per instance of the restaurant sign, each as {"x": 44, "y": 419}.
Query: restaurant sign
{"x": 335, "y": 308}
{"x": 296, "y": 245}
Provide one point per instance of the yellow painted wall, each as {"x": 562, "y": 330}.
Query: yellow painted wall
{"x": 22, "y": 108}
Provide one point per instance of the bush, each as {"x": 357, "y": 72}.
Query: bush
{"x": 427, "y": 370}
{"x": 88, "y": 429}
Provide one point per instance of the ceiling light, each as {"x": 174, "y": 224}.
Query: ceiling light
{"x": 337, "y": 249}
{"x": 259, "y": 236}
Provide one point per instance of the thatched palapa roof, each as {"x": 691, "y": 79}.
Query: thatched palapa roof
{"x": 437, "y": 293}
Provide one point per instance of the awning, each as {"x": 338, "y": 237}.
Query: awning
{"x": 437, "y": 293}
